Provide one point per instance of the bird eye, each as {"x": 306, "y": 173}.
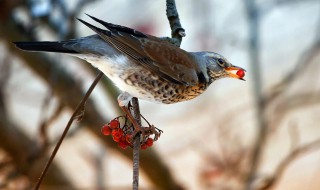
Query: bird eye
{"x": 221, "y": 62}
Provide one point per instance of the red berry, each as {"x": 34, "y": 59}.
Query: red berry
{"x": 114, "y": 124}
{"x": 116, "y": 139}
{"x": 123, "y": 144}
{"x": 144, "y": 146}
{"x": 128, "y": 138}
{"x": 105, "y": 130}
{"x": 149, "y": 142}
{"x": 240, "y": 73}
{"x": 117, "y": 133}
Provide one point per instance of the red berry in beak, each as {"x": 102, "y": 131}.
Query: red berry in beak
{"x": 240, "y": 73}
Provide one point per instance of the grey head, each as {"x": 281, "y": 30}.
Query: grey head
{"x": 218, "y": 67}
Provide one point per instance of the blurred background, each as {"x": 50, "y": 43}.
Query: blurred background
{"x": 260, "y": 134}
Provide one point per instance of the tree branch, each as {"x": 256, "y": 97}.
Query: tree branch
{"x": 177, "y": 32}
{"x": 74, "y": 116}
{"x": 136, "y": 144}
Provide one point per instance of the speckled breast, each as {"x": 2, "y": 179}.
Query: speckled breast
{"x": 153, "y": 88}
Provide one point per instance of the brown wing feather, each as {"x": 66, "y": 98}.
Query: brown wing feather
{"x": 133, "y": 49}
{"x": 161, "y": 57}
{"x": 157, "y": 55}
{"x": 172, "y": 60}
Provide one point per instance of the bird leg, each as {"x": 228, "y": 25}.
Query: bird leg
{"x": 124, "y": 101}
{"x": 137, "y": 127}
{"x": 145, "y": 132}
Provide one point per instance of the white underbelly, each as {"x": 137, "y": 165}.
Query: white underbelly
{"x": 115, "y": 67}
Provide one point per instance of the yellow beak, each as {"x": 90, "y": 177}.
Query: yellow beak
{"x": 236, "y": 72}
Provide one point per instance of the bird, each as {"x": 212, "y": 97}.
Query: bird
{"x": 142, "y": 65}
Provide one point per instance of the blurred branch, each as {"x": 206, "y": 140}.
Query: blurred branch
{"x": 23, "y": 152}
{"x": 254, "y": 17}
{"x": 294, "y": 136}
{"x": 297, "y": 101}
{"x": 303, "y": 62}
{"x": 44, "y": 140}
{"x": 95, "y": 159}
{"x": 294, "y": 155}
{"x": 6, "y": 6}
{"x": 254, "y": 49}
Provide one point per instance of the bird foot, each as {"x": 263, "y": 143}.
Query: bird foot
{"x": 137, "y": 127}
{"x": 144, "y": 133}
{"x": 124, "y": 99}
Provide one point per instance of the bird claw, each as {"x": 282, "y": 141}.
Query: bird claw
{"x": 143, "y": 132}
{"x": 151, "y": 130}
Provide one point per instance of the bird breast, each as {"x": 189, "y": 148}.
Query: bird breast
{"x": 140, "y": 82}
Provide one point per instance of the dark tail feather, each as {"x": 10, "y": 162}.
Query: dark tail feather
{"x": 115, "y": 28}
{"x": 44, "y": 46}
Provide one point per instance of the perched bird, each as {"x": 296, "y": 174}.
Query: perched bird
{"x": 143, "y": 65}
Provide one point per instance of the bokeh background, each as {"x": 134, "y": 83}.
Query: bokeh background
{"x": 260, "y": 134}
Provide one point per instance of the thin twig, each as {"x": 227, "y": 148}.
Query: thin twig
{"x": 72, "y": 118}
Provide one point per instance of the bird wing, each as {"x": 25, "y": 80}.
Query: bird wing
{"x": 159, "y": 56}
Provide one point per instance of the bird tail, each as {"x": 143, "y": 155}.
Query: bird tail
{"x": 59, "y": 47}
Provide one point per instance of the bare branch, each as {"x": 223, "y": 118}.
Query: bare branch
{"x": 177, "y": 32}
{"x": 136, "y": 144}
{"x": 45, "y": 123}
{"x": 72, "y": 118}
{"x": 24, "y": 156}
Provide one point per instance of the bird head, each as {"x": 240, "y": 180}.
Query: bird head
{"x": 219, "y": 67}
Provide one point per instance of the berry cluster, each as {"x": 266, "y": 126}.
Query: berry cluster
{"x": 122, "y": 133}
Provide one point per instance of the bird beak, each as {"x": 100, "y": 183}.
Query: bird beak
{"x": 236, "y": 72}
